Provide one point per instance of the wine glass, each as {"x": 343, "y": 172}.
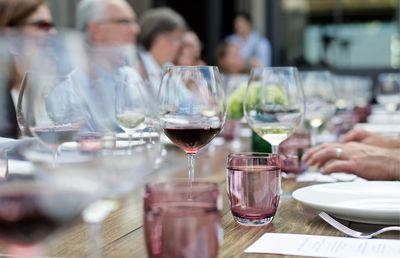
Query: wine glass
{"x": 320, "y": 99}
{"x": 388, "y": 91}
{"x": 130, "y": 106}
{"x": 192, "y": 107}
{"x": 274, "y": 104}
{"x": 54, "y": 111}
{"x": 36, "y": 206}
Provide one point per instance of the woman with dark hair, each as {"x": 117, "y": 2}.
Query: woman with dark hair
{"x": 28, "y": 18}
{"x": 161, "y": 38}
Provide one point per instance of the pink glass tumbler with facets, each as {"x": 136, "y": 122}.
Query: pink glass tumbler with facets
{"x": 253, "y": 185}
{"x": 182, "y": 219}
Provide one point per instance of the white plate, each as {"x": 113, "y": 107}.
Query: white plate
{"x": 376, "y": 202}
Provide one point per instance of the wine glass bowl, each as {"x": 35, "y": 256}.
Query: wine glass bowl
{"x": 273, "y": 104}
{"x": 320, "y": 99}
{"x": 192, "y": 107}
{"x": 388, "y": 91}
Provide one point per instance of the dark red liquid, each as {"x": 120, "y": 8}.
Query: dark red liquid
{"x": 191, "y": 139}
{"x": 30, "y": 216}
{"x": 253, "y": 191}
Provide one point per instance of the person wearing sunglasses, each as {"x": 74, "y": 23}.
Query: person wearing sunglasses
{"x": 30, "y": 19}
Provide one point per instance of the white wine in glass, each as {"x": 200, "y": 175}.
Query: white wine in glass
{"x": 274, "y": 103}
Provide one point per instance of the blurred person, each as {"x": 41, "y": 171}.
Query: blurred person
{"x": 190, "y": 52}
{"x": 26, "y": 18}
{"x": 364, "y": 154}
{"x": 255, "y": 49}
{"x": 161, "y": 38}
{"x": 107, "y": 22}
{"x": 229, "y": 59}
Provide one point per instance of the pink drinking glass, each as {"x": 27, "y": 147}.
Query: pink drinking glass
{"x": 253, "y": 185}
{"x": 182, "y": 219}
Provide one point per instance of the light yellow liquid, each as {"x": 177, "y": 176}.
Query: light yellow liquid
{"x": 130, "y": 120}
{"x": 274, "y": 133}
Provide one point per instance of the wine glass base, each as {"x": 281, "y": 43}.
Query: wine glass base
{"x": 253, "y": 222}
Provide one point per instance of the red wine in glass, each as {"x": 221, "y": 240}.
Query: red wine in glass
{"x": 191, "y": 138}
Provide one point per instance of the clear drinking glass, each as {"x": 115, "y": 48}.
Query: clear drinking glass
{"x": 254, "y": 185}
{"x": 192, "y": 107}
{"x": 274, "y": 104}
{"x": 182, "y": 219}
{"x": 320, "y": 99}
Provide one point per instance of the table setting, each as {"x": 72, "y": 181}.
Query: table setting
{"x": 225, "y": 201}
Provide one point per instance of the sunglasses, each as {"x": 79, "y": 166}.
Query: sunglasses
{"x": 41, "y": 25}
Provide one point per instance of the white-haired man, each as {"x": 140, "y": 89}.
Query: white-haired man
{"x": 107, "y": 21}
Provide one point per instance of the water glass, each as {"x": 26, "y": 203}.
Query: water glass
{"x": 253, "y": 185}
{"x": 182, "y": 218}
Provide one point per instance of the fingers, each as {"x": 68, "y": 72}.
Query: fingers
{"x": 345, "y": 166}
{"x": 355, "y": 135}
{"x": 321, "y": 153}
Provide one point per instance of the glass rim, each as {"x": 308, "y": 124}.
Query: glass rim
{"x": 252, "y": 155}
{"x": 192, "y": 67}
{"x": 181, "y": 185}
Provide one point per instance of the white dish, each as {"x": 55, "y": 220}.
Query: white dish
{"x": 73, "y": 146}
{"x": 376, "y": 202}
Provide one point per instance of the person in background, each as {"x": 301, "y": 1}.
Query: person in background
{"x": 161, "y": 39}
{"x": 362, "y": 153}
{"x": 229, "y": 59}
{"x": 107, "y": 22}
{"x": 27, "y": 18}
{"x": 190, "y": 52}
{"x": 255, "y": 49}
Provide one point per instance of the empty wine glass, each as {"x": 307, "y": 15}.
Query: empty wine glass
{"x": 274, "y": 104}
{"x": 192, "y": 107}
{"x": 388, "y": 91}
{"x": 320, "y": 99}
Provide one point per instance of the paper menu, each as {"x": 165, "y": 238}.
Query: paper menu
{"x": 325, "y": 246}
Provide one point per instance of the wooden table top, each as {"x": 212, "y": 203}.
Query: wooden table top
{"x": 123, "y": 234}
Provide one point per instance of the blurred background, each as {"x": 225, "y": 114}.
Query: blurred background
{"x": 347, "y": 36}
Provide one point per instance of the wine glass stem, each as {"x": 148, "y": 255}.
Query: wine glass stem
{"x": 274, "y": 149}
{"x": 314, "y": 134}
{"x": 191, "y": 166}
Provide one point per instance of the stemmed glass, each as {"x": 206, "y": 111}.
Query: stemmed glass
{"x": 36, "y": 206}
{"x": 320, "y": 99}
{"x": 192, "y": 107}
{"x": 388, "y": 91}
{"x": 274, "y": 104}
{"x": 130, "y": 106}
{"x": 53, "y": 111}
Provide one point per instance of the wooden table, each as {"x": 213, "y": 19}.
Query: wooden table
{"x": 123, "y": 234}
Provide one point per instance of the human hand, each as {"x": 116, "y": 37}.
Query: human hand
{"x": 362, "y": 136}
{"x": 363, "y": 160}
